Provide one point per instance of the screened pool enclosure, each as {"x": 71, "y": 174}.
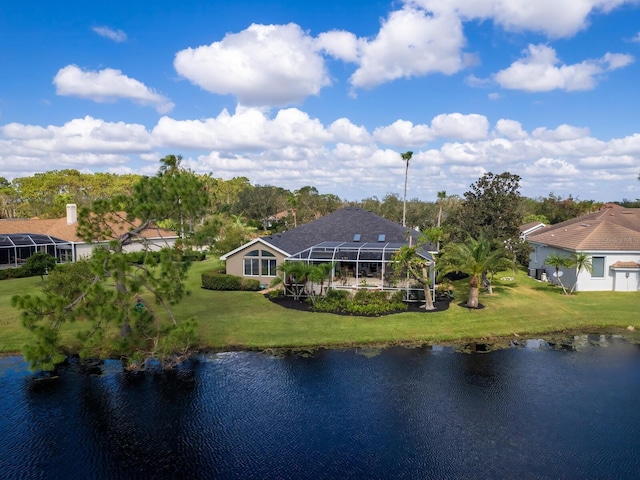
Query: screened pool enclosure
{"x": 364, "y": 265}
{"x": 15, "y": 248}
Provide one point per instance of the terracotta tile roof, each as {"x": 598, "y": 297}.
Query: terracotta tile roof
{"x": 60, "y": 229}
{"x": 612, "y": 228}
{"x": 625, "y": 265}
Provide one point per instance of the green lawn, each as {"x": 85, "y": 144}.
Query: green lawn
{"x": 231, "y": 320}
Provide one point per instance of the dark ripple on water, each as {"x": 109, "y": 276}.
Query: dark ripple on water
{"x": 532, "y": 412}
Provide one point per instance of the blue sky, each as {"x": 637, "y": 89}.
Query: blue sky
{"x": 295, "y": 93}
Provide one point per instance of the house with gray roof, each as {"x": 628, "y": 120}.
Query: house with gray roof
{"x": 358, "y": 242}
{"x": 610, "y": 236}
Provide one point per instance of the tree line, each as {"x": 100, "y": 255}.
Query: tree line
{"x": 237, "y": 209}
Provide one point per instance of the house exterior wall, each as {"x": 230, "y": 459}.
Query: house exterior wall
{"x": 613, "y": 280}
{"x": 235, "y": 264}
{"x": 85, "y": 250}
{"x": 626, "y": 280}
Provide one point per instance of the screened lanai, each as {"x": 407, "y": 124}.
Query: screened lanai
{"x": 362, "y": 265}
{"x": 15, "y": 248}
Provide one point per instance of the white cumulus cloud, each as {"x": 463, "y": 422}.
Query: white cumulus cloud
{"x": 554, "y": 18}
{"x": 263, "y": 65}
{"x": 404, "y": 133}
{"x": 540, "y": 70}
{"x": 339, "y": 44}
{"x": 510, "y": 129}
{"x": 246, "y": 129}
{"x": 411, "y": 42}
{"x": 107, "y": 85}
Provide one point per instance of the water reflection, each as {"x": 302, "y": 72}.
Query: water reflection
{"x": 532, "y": 411}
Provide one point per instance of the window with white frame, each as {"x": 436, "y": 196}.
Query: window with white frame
{"x": 268, "y": 264}
{"x": 251, "y": 263}
{"x": 259, "y": 263}
{"x": 598, "y": 267}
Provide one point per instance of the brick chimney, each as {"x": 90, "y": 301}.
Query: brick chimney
{"x": 72, "y": 213}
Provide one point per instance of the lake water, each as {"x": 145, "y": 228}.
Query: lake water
{"x": 527, "y": 412}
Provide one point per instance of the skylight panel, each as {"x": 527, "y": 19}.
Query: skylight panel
{"x": 356, "y": 237}
{"x": 382, "y": 237}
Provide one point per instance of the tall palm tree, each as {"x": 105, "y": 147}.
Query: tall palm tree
{"x": 406, "y": 156}
{"x": 441, "y": 198}
{"x": 293, "y": 201}
{"x": 581, "y": 261}
{"x": 473, "y": 257}
{"x": 558, "y": 261}
{"x": 171, "y": 164}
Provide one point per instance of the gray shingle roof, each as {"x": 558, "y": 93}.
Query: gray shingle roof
{"x": 341, "y": 226}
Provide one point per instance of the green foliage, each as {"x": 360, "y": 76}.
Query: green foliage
{"x": 106, "y": 293}
{"x": 364, "y": 302}
{"x": 407, "y": 260}
{"x": 39, "y": 263}
{"x": 250, "y": 285}
{"x": 535, "y": 217}
{"x": 223, "y": 281}
{"x": 220, "y": 281}
{"x": 581, "y": 261}
{"x": 46, "y": 194}
{"x": 232, "y": 234}
{"x": 69, "y": 280}
{"x": 519, "y": 250}
{"x": 491, "y": 208}
{"x": 260, "y": 203}
{"x": 273, "y": 294}
{"x": 556, "y": 209}
{"x": 19, "y": 272}
{"x": 474, "y": 257}
{"x": 558, "y": 262}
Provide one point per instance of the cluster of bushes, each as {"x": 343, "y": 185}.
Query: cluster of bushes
{"x": 363, "y": 302}
{"x": 222, "y": 281}
{"x": 139, "y": 257}
{"x": 19, "y": 272}
{"x": 40, "y": 263}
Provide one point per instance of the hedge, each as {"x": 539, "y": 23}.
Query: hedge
{"x": 19, "y": 272}
{"x": 222, "y": 281}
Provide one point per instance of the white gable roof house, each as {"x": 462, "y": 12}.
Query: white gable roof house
{"x": 610, "y": 236}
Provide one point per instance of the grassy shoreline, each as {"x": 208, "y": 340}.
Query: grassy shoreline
{"x": 519, "y": 308}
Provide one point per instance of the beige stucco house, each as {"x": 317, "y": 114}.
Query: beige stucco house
{"x": 358, "y": 242}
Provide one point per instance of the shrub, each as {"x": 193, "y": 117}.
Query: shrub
{"x": 39, "y": 264}
{"x": 220, "y": 281}
{"x": 19, "y": 272}
{"x": 397, "y": 296}
{"x": 249, "y": 284}
{"x": 364, "y": 302}
{"x": 335, "y": 294}
{"x": 194, "y": 256}
{"x": 273, "y": 294}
